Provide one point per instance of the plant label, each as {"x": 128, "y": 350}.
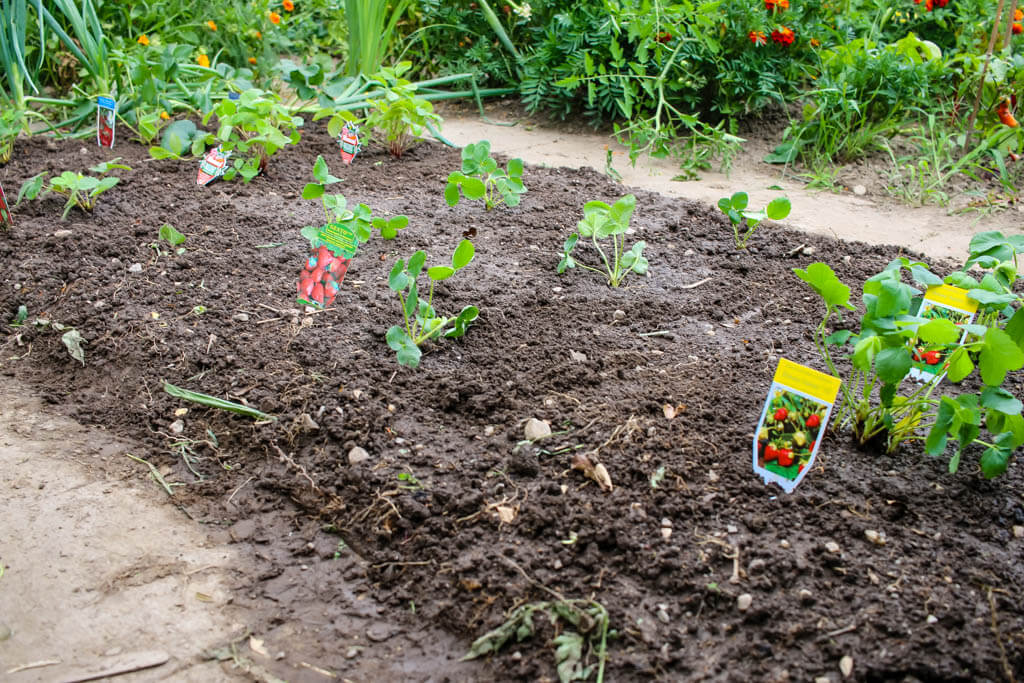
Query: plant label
{"x": 349, "y": 142}
{"x": 942, "y": 302}
{"x": 792, "y": 423}
{"x": 213, "y": 166}
{"x": 329, "y": 257}
{"x": 5, "y": 211}
{"x": 106, "y": 118}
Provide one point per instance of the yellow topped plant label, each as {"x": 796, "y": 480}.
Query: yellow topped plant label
{"x": 792, "y": 423}
{"x": 930, "y": 356}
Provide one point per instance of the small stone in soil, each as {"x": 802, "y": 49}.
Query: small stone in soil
{"x": 357, "y": 455}
{"x": 932, "y": 619}
{"x": 1018, "y": 531}
{"x": 177, "y": 427}
{"x": 619, "y": 314}
{"x": 860, "y": 190}
{"x": 61, "y": 234}
{"x": 744, "y": 602}
{"x": 784, "y": 544}
{"x": 874, "y": 536}
{"x": 846, "y": 665}
{"x": 240, "y": 317}
{"x": 756, "y": 566}
{"x": 832, "y": 547}
{"x": 135, "y": 268}
{"x": 536, "y": 429}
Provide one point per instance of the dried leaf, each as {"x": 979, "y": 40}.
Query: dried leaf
{"x": 669, "y": 410}
{"x": 506, "y": 514}
{"x": 203, "y": 597}
{"x": 256, "y": 645}
{"x": 73, "y": 341}
{"x": 470, "y": 584}
{"x": 602, "y": 477}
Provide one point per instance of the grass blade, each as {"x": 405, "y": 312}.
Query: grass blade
{"x": 214, "y": 402}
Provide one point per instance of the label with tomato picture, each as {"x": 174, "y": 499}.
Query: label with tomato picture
{"x": 5, "y": 211}
{"x": 106, "y": 118}
{"x": 793, "y": 420}
{"x": 942, "y": 302}
{"x": 331, "y": 250}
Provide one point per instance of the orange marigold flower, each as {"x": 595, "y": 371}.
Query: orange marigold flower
{"x": 203, "y": 60}
{"x": 771, "y": 5}
{"x": 275, "y": 18}
{"x": 757, "y": 38}
{"x": 252, "y": 60}
{"x": 1017, "y": 28}
{"x": 288, "y": 5}
{"x": 212, "y": 25}
{"x": 783, "y": 36}
{"x": 142, "y": 40}
{"x": 815, "y": 42}
{"x": 259, "y": 35}
{"x": 1018, "y": 14}
{"x": 164, "y": 115}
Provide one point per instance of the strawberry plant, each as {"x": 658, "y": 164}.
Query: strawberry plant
{"x": 81, "y": 190}
{"x": 360, "y": 219}
{"x": 482, "y": 178}
{"x": 601, "y": 221}
{"x": 735, "y": 207}
{"x": 253, "y": 127}
{"x": 884, "y": 350}
{"x": 398, "y": 114}
{"x": 421, "y": 322}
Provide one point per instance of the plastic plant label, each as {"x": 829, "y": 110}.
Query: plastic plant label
{"x": 349, "y": 142}
{"x": 213, "y": 166}
{"x": 325, "y": 268}
{"x": 942, "y": 302}
{"x": 5, "y": 211}
{"x": 106, "y": 117}
{"x": 793, "y": 419}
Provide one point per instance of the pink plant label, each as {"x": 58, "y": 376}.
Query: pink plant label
{"x": 326, "y": 265}
{"x": 792, "y": 423}
{"x": 213, "y": 166}
{"x": 106, "y": 119}
{"x": 349, "y": 142}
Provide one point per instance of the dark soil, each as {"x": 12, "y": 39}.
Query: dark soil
{"x": 940, "y": 600}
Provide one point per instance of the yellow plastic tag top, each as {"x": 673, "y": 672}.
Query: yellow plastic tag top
{"x": 808, "y": 380}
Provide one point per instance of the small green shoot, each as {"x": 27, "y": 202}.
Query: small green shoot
{"x": 481, "y": 178}
{"x": 170, "y": 235}
{"x": 601, "y": 221}
{"x": 214, "y": 402}
{"x": 421, "y": 321}
{"x": 80, "y": 190}
{"x": 408, "y": 482}
{"x": 735, "y": 207}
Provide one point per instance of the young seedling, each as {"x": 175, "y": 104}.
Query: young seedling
{"x": 80, "y": 190}
{"x": 398, "y": 114}
{"x": 481, "y": 178}
{"x": 735, "y": 207}
{"x": 601, "y": 221}
{"x": 11, "y": 123}
{"x": 421, "y": 321}
{"x": 361, "y": 219}
{"x": 172, "y": 237}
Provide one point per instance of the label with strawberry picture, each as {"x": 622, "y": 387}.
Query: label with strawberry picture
{"x": 213, "y": 165}
{"x": 331, "y": 250}
{"x": 942, "y": 302}
{"x": 106, "y": 118}
{"x": 5, "y": 211}
{"x": 792, "y": 423}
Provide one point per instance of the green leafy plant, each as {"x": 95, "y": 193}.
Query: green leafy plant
{"x": 601, "y": 221}
{"x": 11, "y": 123}
{"x": 421, "y": 321}
{"x": 891, "y": 337}
{"x": 481, "y": 178}
{"x": 398, "y": 113}
{"x": 81, "y": 190}
{"x": 171, "y": 236}
{"x": 360, "y": 219}
{"x": 735, "y": 207}
{"x": 583, "y": 640}
{"x": 253, "y": 128}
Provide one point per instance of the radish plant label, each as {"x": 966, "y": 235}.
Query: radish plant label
{"x": 331, "y": 251}
{"x": 942, "y": 302}
{"x": 349, "y": 142}
{"x": 213, "y": 165}
{"x": 5, "y": 211}
{"x": 106, "y": 117}
{"x": 792, "y": 422}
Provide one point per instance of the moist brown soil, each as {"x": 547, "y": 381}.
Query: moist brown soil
{"x": 940, "y": 600}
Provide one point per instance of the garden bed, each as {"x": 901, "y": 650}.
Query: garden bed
{"x": 480, "y": 523}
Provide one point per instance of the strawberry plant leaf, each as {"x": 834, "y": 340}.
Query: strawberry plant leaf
{"x": 463, "y": 254}
{"x": 416, "y": 262}
{"x": 438, "y": 273}
{"x": 451, "y": 192}
{"x": 994, "y": 461}
{"x": 839, "y": 337}
{"x": 939, "y": 331}
{"x": 924, "y": 276}
{"x": 515, "y": 168}
{"x": 1000, "y": 399}
{"x": 935, "y": 443}
{"x": 778, "y": 208}
{"x": 999, "y": 355}
{"x": 739, "y": 201}
{"x": 398, "y": 280}
{"x": 960, "y": 365}
{"x": 473, "y": 188}
{"x": 1015, "y": 328}
{"x": 312, "y": 191}
{"x": 864, "y": 352}
{"x": 823, "y": 280}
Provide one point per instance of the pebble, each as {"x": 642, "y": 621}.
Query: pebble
{"x": 308, "y": 423}
{"x": 860, "y": 190}
{"x": 832, "y": 547}
{"x": 619, "y": 314}
{"x": 1018, "y": 531}
{"x": 744, "y": 602}
{"x": 784, "y": 544}
{"x": 662, "y": 614}
{"x": 822, "y": 679}
{"x": 135, "y": 268}
{"x": 177, "y": 427}
{"x": 240, "y": 317}
{"x": 806, "y": 596}
{"x": 352, "y": 652}
{"x": 536, "y": 429}
{"x": 846, "y": 666}
{"x": 756, "y": 566}
{"x": 357, "y": 455}
{"x": 932, "y": 619}
{"x": 712, "y": 476}
{"x": 577, "y": 356}
{"x": 62, "y": 234}
{"x": 732, "y": 529}
{"x": 874, "y": 536}
{"x": 489, "y": 430}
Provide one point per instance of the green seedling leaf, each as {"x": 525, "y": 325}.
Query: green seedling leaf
{"x": 739, "y": 201}
{"x": 778, "y": 208}
{"x": 20, "y": 316}
{"x": 322, "y": 174}
{"x": 169, "y": 234}
{"x": 838, "y": 338}
{"x": 30, "y": 188}
{"x": 73, "y": 341}
{"x": 923, "y": 276}
{"x": 438, "y": 273}
{"x": 397, "y": 279}
{"x": 462, "y": 321}
{"x": 994, "y": 461}
{"x": 312, "y": 191}
{"x": 407, "y": 352}
{"x": 416, "y": 262}
{"x": 999, "y": 355}
{"x": 823, "y": 280}
{"x": 997, "y": 398}
{"x": 939, "y": 331}
{"x": 176, "y": 140}
{"x": 960, "y": 365}
{"x": 214, "y": 402}
{"x": 463, "y": 254}
{"x": 1015, "y": 328}
{"x": 515, "y": 168}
